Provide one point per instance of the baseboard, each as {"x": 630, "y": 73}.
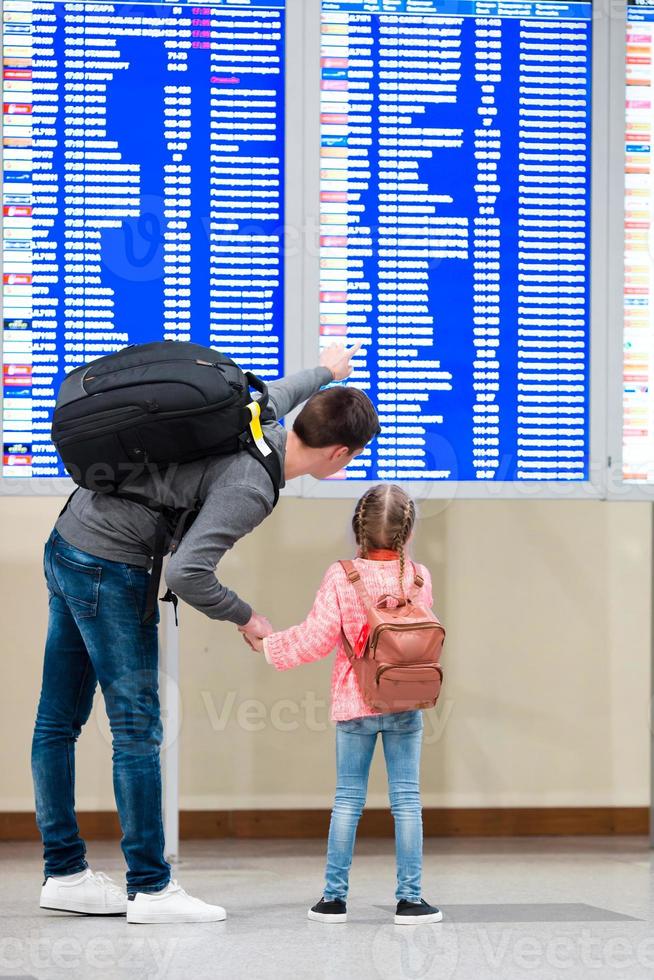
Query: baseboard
{"x": 455, "y": 822}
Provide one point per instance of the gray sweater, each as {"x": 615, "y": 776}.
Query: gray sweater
{"x": 236, "y": 494}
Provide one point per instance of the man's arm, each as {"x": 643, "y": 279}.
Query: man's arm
{"x": 227, "y": 514}
{"x": 287, "y": 393}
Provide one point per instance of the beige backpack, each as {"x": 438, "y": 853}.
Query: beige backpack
{"x": 397, "y": 666}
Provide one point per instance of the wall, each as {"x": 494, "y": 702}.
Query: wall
{"x": 547, "y": 695}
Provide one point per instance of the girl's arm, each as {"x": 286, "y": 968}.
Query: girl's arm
{"x": 313, "y": 639}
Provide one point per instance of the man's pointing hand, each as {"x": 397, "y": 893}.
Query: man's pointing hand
{"x": 338, "y": 359}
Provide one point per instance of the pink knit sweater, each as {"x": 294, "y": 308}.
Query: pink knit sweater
{"x": 338, "y": 605}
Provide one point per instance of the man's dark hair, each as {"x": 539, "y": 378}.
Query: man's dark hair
{"x": 338, "y": 416}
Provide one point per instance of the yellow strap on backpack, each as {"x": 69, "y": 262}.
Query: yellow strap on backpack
{"x": 256, "y": 430}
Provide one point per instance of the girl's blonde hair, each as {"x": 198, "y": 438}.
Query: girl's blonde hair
{"x": 383, "y": 518}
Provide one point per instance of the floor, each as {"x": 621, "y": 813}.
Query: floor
{"x": 530, "y": 909}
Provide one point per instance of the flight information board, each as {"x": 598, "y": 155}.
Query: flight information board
{"x": 143, "y": 156}
{"x": 638, "y": 375}
{"x": 455, "y": 231}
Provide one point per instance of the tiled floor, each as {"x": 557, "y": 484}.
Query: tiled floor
{"x": 547, "y": 909}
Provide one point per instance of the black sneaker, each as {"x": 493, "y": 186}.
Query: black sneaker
{"x": 411, "y": 913}
{"x": 334, "y": 910}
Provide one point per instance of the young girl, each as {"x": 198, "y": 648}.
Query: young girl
{"x": 383, "y": 521}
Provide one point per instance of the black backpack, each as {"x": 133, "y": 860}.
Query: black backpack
{"x": 149, "y": 406}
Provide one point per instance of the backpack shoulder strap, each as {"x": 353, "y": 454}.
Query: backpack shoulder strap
{"x": 70, "y": 497}
{"x": 270, "y": 462}
{"x": 172, "y": 523}
{"x": 355, "y": 579}
{"x": 418, "y": 582}
{"x": 348, "y": 646}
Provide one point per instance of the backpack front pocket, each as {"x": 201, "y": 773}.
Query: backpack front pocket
{"x": 407, "y": 684}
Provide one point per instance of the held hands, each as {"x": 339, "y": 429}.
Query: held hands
{"x": 338, "y": 359}
{"x": 255, "y": 642}
{"x": 254, "y": 631}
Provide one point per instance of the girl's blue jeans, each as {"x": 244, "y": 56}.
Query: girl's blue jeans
{"x": 355, "y": 744}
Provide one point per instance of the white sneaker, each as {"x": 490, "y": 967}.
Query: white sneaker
{"x": 89, "y": 893}
{"x": 171, "y": 905}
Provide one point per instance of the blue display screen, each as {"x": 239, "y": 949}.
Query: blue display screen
{"x": 142, "y": 193}
{"x": 455, "y": 231}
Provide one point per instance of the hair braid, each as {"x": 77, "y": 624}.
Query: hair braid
{"x": 401, "y": 538}
{"x": 362, "y": 534}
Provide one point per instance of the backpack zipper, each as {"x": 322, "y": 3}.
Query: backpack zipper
{"x": 391, "y": 626}
{"x": 74, "y": 436}
{"x": 384, "y": 667}
{"x": 160, "y": 360}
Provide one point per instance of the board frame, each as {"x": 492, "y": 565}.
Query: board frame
{"x": 595, "y": 487}
{"x": 291, "y": 252}
{"x": 617, "y": 488}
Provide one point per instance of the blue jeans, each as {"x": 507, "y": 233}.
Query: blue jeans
{"x": 95, "y": 635}
{"x": 355, "y": 744}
